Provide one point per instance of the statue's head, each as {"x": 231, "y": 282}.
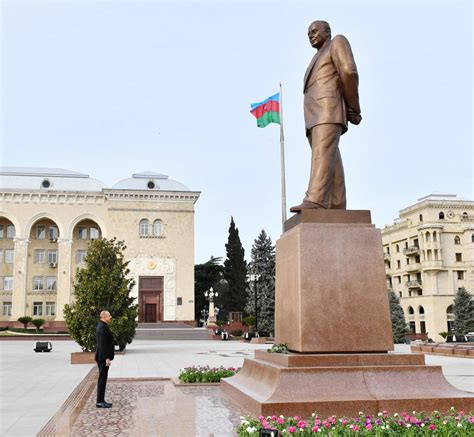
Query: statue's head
{"x": 318, "y": 33}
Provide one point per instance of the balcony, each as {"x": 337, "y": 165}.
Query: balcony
{"x": 413, "y": 284}
{"x": 432, "y": 265}
{"x": 412, "y": 250}
{"x": 386, "y": 256}
{"x": 414, "y": 267}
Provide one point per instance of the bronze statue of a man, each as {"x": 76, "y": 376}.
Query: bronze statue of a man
{"x": 331, "y": 99}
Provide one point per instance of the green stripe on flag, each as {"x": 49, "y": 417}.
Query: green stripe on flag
{"x": 267, "y": 118}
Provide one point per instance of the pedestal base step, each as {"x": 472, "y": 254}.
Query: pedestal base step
{"x": 392, "y": 382}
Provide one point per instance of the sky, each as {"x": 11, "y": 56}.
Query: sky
{"x": 115, "y": 87}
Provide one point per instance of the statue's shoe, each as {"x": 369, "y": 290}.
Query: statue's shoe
{"x": 306, "y": 205}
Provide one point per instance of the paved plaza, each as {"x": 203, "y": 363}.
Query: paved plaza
{"x": 34, "y": 386}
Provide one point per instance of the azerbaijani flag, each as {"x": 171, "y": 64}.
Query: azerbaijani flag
{"x": 267, "y": 112}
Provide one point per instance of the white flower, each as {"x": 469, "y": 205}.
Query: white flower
{"x": 281, "y": 415}
{"x": 408, "y": 426}
{"x": 361, "y": 413}
{"x": 383, "y": 427}
{"x": 422, "y": 425}
{"x": 388, "y": 427}
{"x": 380, "y": 414}
{"x": 414, "y": 412}
{"x": 459, "y": 425}
{"x": 245, "y": 422}
{"x": 319, "y": 430}
{"x": 395, "y": 415}
{"x": 251, "y": 429}
{"x": 313, "y": 415}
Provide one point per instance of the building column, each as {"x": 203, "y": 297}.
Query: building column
{"x": 63, "y": 296}
{"x": 20, "y": 268}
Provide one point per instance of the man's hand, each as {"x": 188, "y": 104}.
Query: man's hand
{"x": 108, "y": 362}
{"x": 353, "y": 117}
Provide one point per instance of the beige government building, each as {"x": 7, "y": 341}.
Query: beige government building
{"x": 48, "y": 216}
{"x": 429, "y": 255}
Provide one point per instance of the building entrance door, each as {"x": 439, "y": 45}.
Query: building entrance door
{"x": 150, "y": 299}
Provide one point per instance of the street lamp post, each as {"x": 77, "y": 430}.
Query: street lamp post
{"x": 210, "y": 295}
{"x": 254, "y": 279}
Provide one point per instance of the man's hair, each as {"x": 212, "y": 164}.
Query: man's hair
{"x": 103, "y": 313}
{"x": 324, "y": 25}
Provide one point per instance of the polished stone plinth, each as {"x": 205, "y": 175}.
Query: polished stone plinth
{"x": 342, "y": 384}
{"x": 331, "y": 291}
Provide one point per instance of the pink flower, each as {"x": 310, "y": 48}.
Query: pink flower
{"x": 291, "y": 429}
{"x": 368, "y": 426}
{"x": 301, "y": 424}
{"x": 296, "y": 417}
{"x": 280, "y": 420}
{"x": 344, "y": 421}
{"x": 317, "y": 422}
{"x": 261, "y": 418}
{"x": 315, "y": 428}
{"x": 432, "y": 427}
{"x": 273, "y": 418}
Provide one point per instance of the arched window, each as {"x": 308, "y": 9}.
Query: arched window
{"x": 464, "y": 214}
{"x": 421, "y": 217}
{"x": 441, "y": 215}
{"x": 398, "y": 248}
{"x": 411, "y": 310}
{"x": 157, "y": 228}
{"x": 434, "y": 235}
{"x": 457, "y": 240}
{"x": 144, "y": 227}
{"x": 428, "y": 237}
{"x": 472, "y": 238}
{"x": 421, "y": 310}
{"x": 450, "y": 310}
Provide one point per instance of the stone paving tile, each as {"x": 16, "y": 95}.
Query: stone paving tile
{"x": 158, "y": 408}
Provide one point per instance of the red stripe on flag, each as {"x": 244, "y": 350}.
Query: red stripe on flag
{"x": 270, "y": 106}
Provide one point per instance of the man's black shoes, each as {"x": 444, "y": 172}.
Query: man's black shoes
{"x": 103, "y": 405}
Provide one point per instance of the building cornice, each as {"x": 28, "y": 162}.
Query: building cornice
{"x": 52, "y": 197}
{"x": 153, "y": 196}
{"x": 425, "y": 204}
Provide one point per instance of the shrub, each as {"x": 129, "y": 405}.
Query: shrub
{"x": 3, "y": 328}
{"x": 279, "y": 348}
{"x": 444, "y": 334}
{"x": 237, "y": 333}
{"x": 203, "y": 374}
{"x": 38, "y": 323}
{"x": 220, "y": 323}
{"x": 249, "y": 320}
{"x": 25, "y": 320}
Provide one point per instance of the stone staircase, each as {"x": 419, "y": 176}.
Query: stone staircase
{"x": 170, "y": 331}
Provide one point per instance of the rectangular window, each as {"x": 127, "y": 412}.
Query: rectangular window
{"x": 53, "y": 233}
{"x": 38, "y": 283}
{"x": 1, "y": 256}
{"x": 37, "y": 308}
{"x": 8, "y": 283}
{"x": 52, "y": 256}
{"x": 51, "y": 283}
{"x": 398, "y": 264}
{"x": 40, "y": 256}
{"x": 50, "y": 308}
{"x": 40, "y": 232}
{"x": 10, "y": 231}
{"x": 399, "y": 279}
{"x": 7, "y": 309}
{"x": 412, "y": 327}
{"x": 408, "y": 261}
{"x": 94, "y": 233}
{"x": 1, "y": 231}
{"x": 9, "y": 256}
{"x": 179, "y": 301}
{"x": 460, "y": 274}
{"x": 458, "y": 257}
{"x": 82, "y": 233}
{"x": 80, "y": 256}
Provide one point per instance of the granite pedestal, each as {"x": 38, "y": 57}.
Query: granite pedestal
{"x": 331, "y": 307}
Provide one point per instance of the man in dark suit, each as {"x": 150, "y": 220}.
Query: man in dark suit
{"x": 331, "y": 99}
{"x": 104, "y": 354}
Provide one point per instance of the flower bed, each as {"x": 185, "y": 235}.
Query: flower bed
{"x": 416, "y": 424}
{"x": 203, "y": 374}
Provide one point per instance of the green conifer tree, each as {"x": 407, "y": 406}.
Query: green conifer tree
{"x": 102, "y": 285}
{"x": 463, "y": 312}
{"x": 206, "y": 275}
{"x": 262, "y": 267}
{"x": 235, "y": 272}
{"x": 399, "y": 326}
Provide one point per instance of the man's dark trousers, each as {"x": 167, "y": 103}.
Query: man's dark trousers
{"x": 102, "y": 382}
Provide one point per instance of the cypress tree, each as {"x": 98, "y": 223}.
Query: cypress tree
{"x": 262, "y": 266}
{"x": 102, "y": 285}
{"x": 235, "y": 272}
{"x": 399, "y": 326}
{"x": 463, "y": 312}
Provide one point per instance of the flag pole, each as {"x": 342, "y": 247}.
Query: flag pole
{"x": 282, "y": 158}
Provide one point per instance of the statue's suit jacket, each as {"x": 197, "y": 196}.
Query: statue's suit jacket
{"x": 331, "y": 85}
